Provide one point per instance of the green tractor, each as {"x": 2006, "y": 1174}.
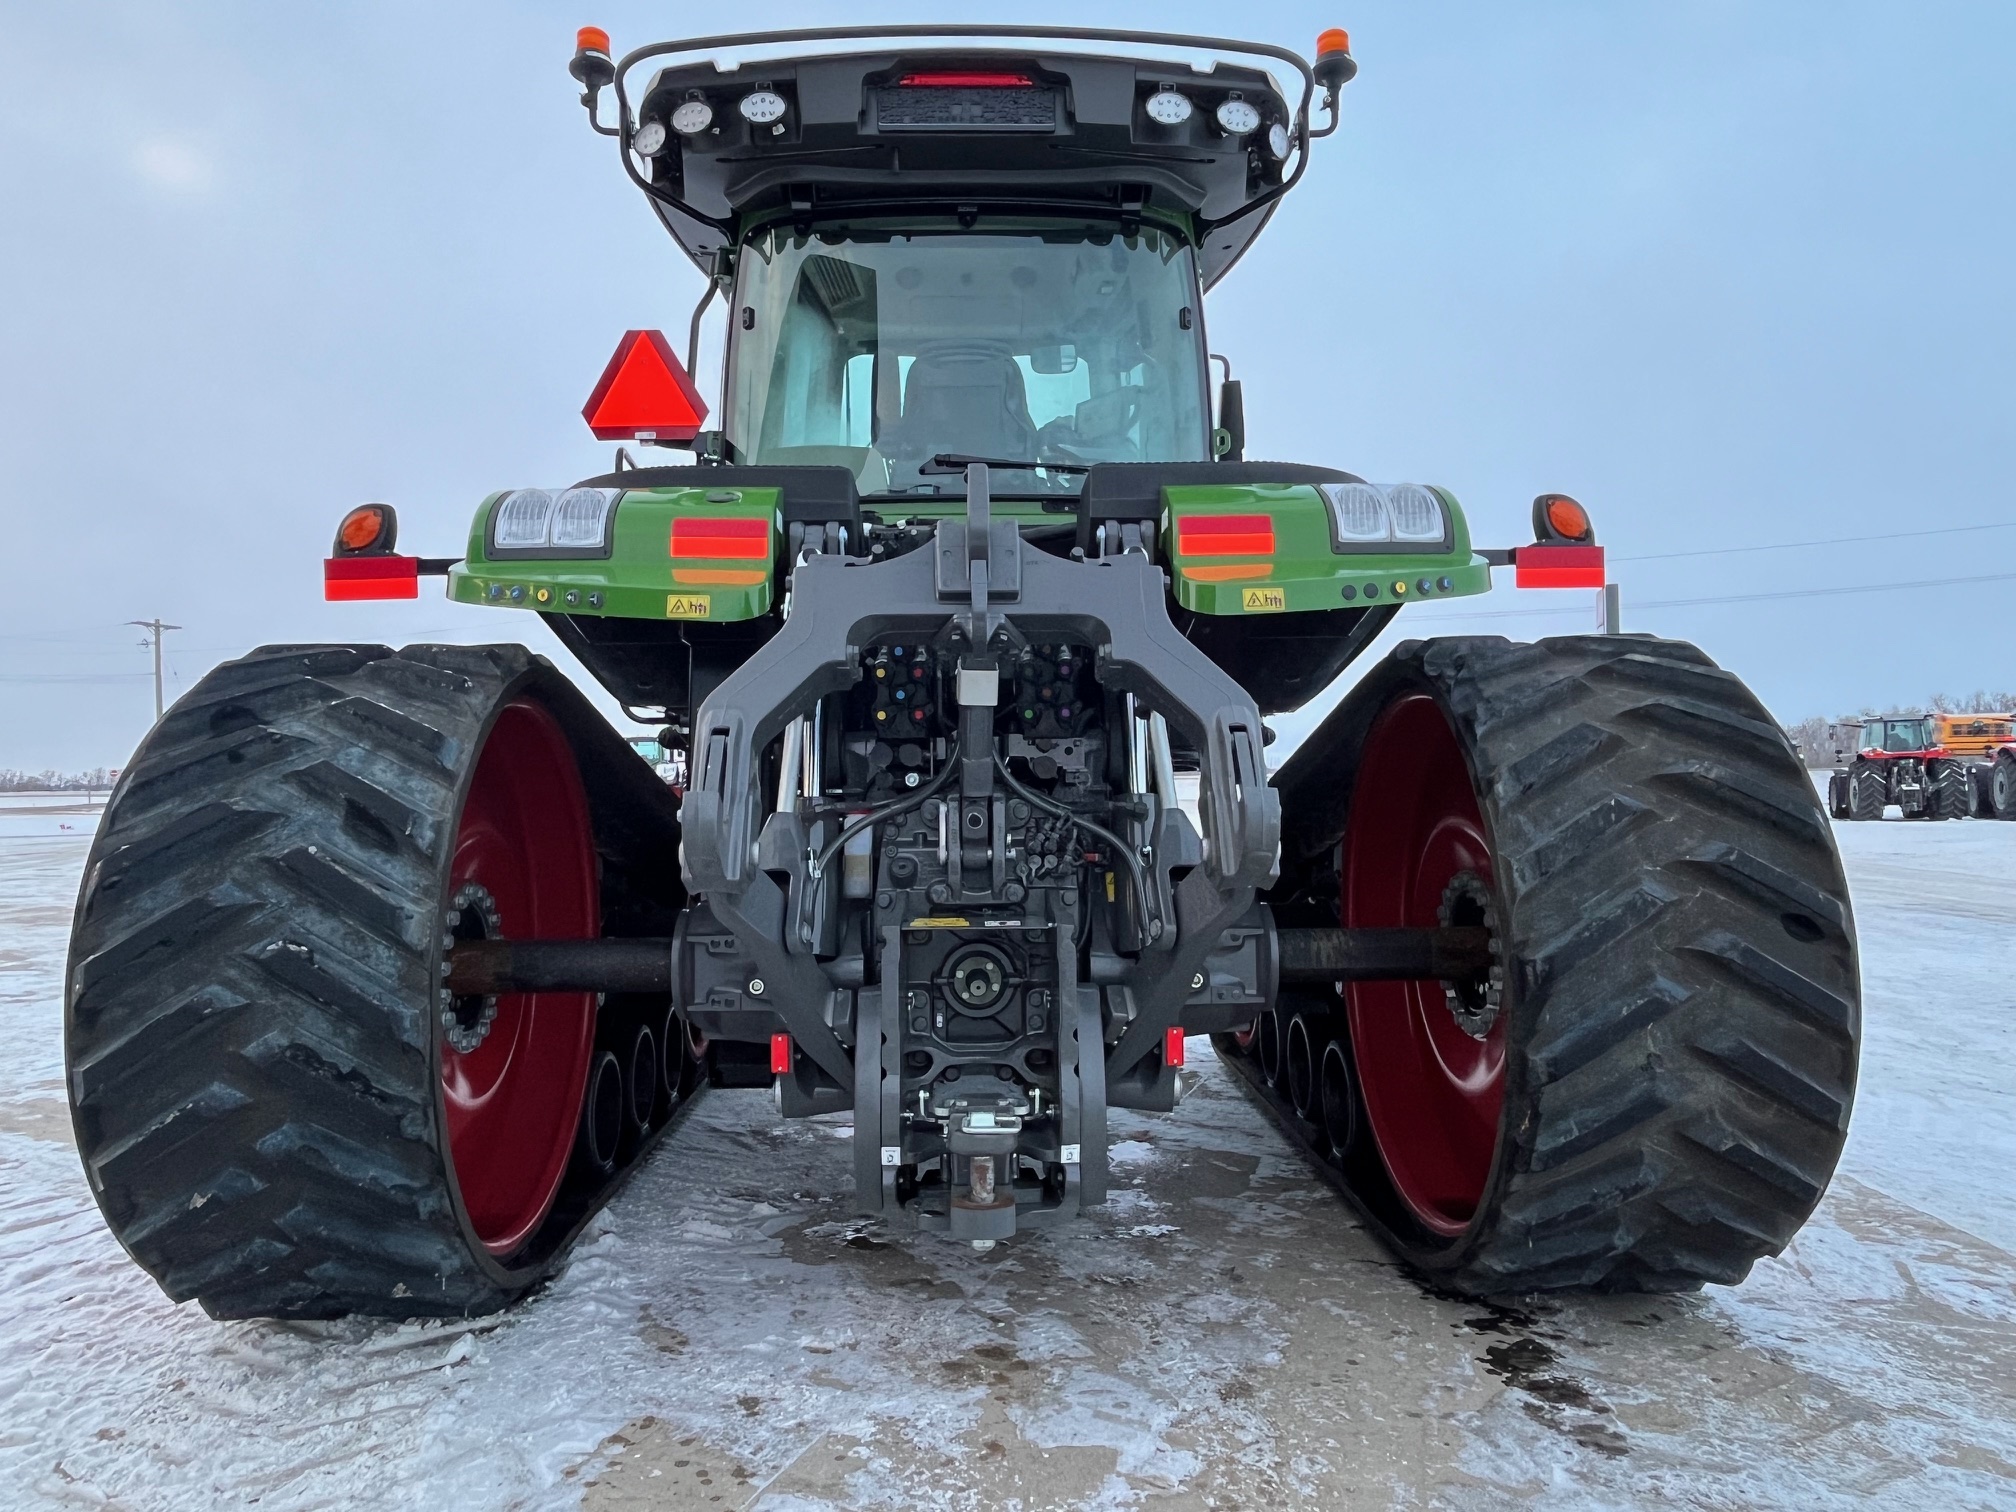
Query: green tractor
{"x": 389, "y": 965}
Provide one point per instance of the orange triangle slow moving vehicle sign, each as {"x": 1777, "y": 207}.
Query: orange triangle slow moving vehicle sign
{"x": 644, "y": 392}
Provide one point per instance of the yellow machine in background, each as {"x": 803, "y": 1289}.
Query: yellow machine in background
{"x": 1974, "y": 734}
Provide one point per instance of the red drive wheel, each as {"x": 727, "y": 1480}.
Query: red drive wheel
{"x": 1431, "y": 1059}
{"x": 513, "y": 1066}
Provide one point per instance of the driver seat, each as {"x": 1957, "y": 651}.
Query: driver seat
{"x": 963, "y": 397}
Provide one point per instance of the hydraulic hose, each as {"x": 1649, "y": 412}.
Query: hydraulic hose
{"x": 887, "y": 810}
{"x": 1153, "y": 927}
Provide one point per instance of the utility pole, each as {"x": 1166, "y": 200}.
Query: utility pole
{"x": 1613, "y": 615}
{"x": 154, "y": 629}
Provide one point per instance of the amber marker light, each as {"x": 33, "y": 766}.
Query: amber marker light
{"x": 366, "y": 528}
{"x": 1568, "y": 518}
{"x": 594, "y": 39}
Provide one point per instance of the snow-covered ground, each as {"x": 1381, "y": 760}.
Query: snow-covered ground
{"x": 1224, "y": 1334}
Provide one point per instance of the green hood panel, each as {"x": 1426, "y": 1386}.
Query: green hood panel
{"x": 1270, "y": 549}
{"x": 642, "y": 578}
{"x": 1230, "y": 549}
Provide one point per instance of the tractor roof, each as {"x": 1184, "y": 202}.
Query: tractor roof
{"x": 917, "y": 121}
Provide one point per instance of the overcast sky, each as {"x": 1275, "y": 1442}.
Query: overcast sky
{"x": 1733, "y": 275}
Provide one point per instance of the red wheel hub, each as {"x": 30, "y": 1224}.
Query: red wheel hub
{"x": 513, "y": 1068}
{"x": 1434, "y": 1089}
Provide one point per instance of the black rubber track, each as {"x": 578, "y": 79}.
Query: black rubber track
{"x": 250, "y": 1027}
{"x": 1683, "y": 991}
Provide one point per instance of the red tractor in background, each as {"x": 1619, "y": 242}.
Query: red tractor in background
{"x": 1896, "y": 760}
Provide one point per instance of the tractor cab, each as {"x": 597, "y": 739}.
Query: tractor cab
{"x": 1911, "y": 736}
{"x": 974, "y": 251}
{"x": 1045, "y": 344}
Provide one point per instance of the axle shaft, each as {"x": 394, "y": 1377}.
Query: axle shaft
{"x": 497, "y": 966}
{"x": 1383, "y": 955}
{"x": 1307, "y": 955}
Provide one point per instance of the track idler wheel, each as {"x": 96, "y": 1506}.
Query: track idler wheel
{"x": 1337, "y": 1101}
{"x": 282, "y": 1106}
{"x": 603, "y": 1117}
{"x": 1270, "y": 1047}
{"x": 1650, "y": 1087}
{"x": 1302, "y": 1059}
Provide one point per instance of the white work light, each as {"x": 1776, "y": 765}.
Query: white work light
{"x": 692, "y": 117}
{"x": 1236, "y": 117}
{"x": 761, "y": 107}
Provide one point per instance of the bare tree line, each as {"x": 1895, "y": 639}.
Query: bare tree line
{"x": 50, "y": 780}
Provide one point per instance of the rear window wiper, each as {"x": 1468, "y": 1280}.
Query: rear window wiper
{"x": 955, "y": 462}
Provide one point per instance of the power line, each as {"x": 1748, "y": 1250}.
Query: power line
{"x": 1792, "y": 593}
{"x": 1901, "y": 535}
{"x": 1744, "y": 598}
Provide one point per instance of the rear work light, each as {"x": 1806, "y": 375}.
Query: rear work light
{"x": 1224, "y": 535}
{"x": 692, "y": 117}
{"x": 1236, "y": 117}
{"x": 1388, "y": 517}
{"x": 762, "y": 106}
{"x": 572, "y": 520}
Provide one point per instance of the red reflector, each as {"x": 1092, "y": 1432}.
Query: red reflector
{"x": 370, "y": 577}
{"x": 1224, "y": 535}
{"x": 1172, "y": 1048}
{"x": 1558, "y": 567}
{"x": 780, "y": 1054}
{"x": 719, "y": 538}
{"x": 950, "y": 80}
{"x": 644, "y": 390}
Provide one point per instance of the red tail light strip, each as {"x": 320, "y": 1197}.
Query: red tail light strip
{"x": 967, "y": 81}
{"x": 1558, "y": 567}
{"x": 1224, "y": 535}
{"x": 370, "y": 577}
{"x": 720, "y": 539}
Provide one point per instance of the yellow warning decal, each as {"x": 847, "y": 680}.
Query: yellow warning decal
{"x": 935, "y": 922}
{"x": 1263, "y": 600}
{"x": 689, "y": 606}
{"x": 1109, "y": 887}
